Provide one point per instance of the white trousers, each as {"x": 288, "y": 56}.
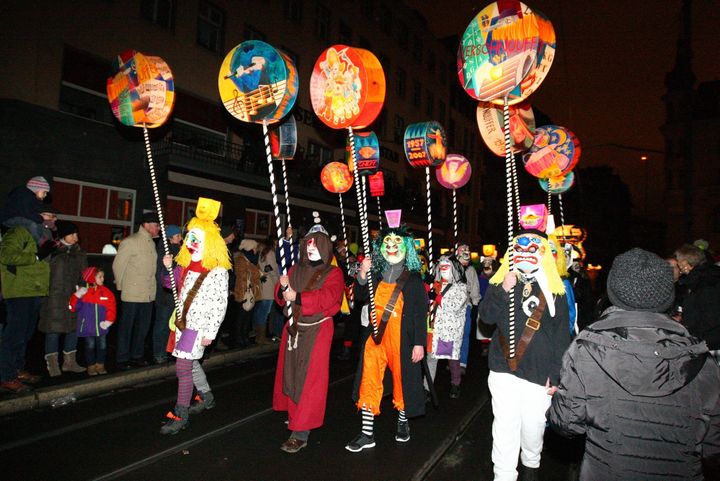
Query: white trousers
{"x": 519, "y": 408}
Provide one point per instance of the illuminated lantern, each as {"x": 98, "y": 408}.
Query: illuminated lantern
{"x": 283, "y": 139}
{"x": 489, "y": 250}
{"x": 555, "y": 151}
{"x": 425, "y": 144}
{"x": 534, "y": 216}
{"x": 454, "y": 172}
{"x": 506, "y": 51}
{"x": 367, "y": 153}
{"x": 347, "y": 87}
{"x": 336, "y": 178}
{"x": 257, "y": 82}
{"x": 558, "y": 184}
{"x": 377, "y": 184}
{"x": 522, "y": 127}
{"x": 142, "y": 92}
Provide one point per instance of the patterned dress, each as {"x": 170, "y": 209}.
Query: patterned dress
{"x": 450, "y": 322}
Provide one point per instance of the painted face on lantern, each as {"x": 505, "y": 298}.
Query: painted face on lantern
{"x": 445, "y": 270}
{"x": 312, "y": 250}
{"x": 527, "y": 253}
{"x": 393, "y": 249}
{"x": 195, "y": 243}
{"x": 463, "y": 254}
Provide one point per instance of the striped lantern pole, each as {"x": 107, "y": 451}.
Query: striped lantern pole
{"x": 429, "y": 214}
{"x": 509, "y": 191}
{"x": 287, "y": 208}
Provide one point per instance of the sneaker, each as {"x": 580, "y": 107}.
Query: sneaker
{"x": 362, "y": 441}
{"x": 202, "y": 401}
{"x": 14, "y": 386}
{"x": 293, "y": 445}
{"x": 177, "y": 421}
{"x": 402, "y": 435}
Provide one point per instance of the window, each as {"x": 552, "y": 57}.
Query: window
{"x": 84, "y": 102}
{"x": 251, "y": 33}
{"x": 322, "y": 22}
{"x": 317, "y": 154}
{"x": 210, "y": 27}
{"x": 259, "y": 224}
{"x": 159, "y": 12}
{"x": 345, "y": 34}
{"x": 293, "y": 10}
{"x": 417, "y": 93}
{"x": 430, "y": 103}
{"x": 399, "y": 130}
{"x": 400, "y": 83}
{"x": 103, "y": 213}
{"x": 179, "y": 210}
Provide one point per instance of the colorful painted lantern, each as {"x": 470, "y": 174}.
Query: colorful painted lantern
{"x": 534, "y": 216}
{"x": 283, "y": 139}
{"x": 522, "y": 127}
{"x": 506, "y": 51}
{"x": 347, "y": 87}
{"x": 425, "y": 144}
{"x": 454, "y": 172}
{"x": 377, "y": 184}
{"x": 336, "y": 178}
{"x": 367, "y": 153}
{"x": 555, "y": 151}
{"x": 142, "y": 92}
{"x": 257, "y": 82}
{"x": 558, "y": 184}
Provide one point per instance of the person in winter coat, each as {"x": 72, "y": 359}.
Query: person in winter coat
{"x": 23, "y": 208}
{"x": 202, "y": 274}
{"x": 67, "y": 263}
{"x": 313, "y": 290}
{"x": 644, "y": 391}
{"x": 401, "y": 307}
{"x": 473, "y": 286}
{"x": 247, "y": 289}
{"x": 268, "y": 278}
{"x": 96, "y": 311}
{"x": 448, "y": 320}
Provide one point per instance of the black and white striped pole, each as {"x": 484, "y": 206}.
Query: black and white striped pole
{"x": 509, "y": 160}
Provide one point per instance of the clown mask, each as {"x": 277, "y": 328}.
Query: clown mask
{"x": 463, "y": 254}
{"x": 527, "y": 253}
{"x": 195, "y": 243}
{"x": 393, "y": 249}
{"x": 312, "y": 250}
{"x": 445, "y": 268}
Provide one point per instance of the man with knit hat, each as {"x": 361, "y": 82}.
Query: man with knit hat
{"x": 24, "y": 206}
{"x": 639, "y": 386}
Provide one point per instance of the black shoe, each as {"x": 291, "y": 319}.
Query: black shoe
{"x": 529, "y": 474}
{"x": 402, "y": 435}
{"x": 454, "y": 391}
{"x": 362, "y": 441}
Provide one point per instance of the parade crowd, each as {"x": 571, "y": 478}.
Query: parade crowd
{"x": 633, "y": 370}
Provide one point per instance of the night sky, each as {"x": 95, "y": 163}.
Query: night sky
{"x": 607, "y": 80}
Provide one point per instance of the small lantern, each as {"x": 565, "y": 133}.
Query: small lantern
{"x": 336, "y": 178}
{"x": 377, "y": 184}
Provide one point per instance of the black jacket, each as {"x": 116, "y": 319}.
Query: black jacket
{"x": 701, "y": 303}
{"x": 646, "y": 394}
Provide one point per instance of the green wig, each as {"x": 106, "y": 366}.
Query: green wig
{"x": 412, "y": 261}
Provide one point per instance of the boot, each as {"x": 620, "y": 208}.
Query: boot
{"x": 260, "y": 336}
{"x": 70, "y": 364}
{"x": 53, "y": 366}
{"x": 529, "y": 474}
{"x": 178, "y": 420}
{"x": 92, "y": 370}
{"x": 100, "y": 368}
{"x": 203, "y": 401}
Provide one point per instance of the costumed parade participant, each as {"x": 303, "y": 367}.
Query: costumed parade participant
{"x": 473, "y": 288}
{"x": 401, "y": 308}
{"x": 202, "y": 274}
{"x": 314, "y": 289}
{"x": 448, "y": 320}
{"x": 522, "y": 385}
{"x": 560, "y": 255}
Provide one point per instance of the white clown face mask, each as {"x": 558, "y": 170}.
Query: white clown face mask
{"x": 195, "y": 243}
{"x": 446, "y": 270}
{"x": 312, "y": 250}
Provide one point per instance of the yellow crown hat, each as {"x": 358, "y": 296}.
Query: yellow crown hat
{"x": 207, "y": 209}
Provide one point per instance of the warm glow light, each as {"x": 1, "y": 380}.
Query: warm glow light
{"x": 644, "y": 157}
{"x": 443, "y": 250}
{"x": 592, "y": 267}
{"x": 488, "y": 249}
{"x": 474, "y": 256}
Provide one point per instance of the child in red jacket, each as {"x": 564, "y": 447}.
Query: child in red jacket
{"x": 95, "y": 307}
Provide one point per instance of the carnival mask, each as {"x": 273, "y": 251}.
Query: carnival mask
{"x": 195, "y": 243}
{"x": 527, "y": 253}
{"x": 445, "y": 268}
{"x": 463, "y": 254}
{"x": 312, "y": 250}
{"x": 393, "y": 249}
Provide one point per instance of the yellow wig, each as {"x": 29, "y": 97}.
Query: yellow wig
{"x": 560, "y": 261}
{"x": 547, "y": 264}
{"x": 215, "y": 252}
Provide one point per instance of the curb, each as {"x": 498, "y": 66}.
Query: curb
{"x": 43, "y": 397}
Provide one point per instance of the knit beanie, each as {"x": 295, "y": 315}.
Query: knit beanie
{"x": 641, "y": 281}
{"x": 65, "y": 228}
{"x": 36, "y": 184}
{"x": 88, "y": 275}
{"x": 172, "y": 230}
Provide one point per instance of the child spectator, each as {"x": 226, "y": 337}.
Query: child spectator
{"x": 24, "y": 205}
{"x": 96, "y": 310}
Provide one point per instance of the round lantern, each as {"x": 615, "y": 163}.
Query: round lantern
{"x": 522, "y": 127}
{"x": 336, "y": 178}
{"x": 506, "y": 51}
{"x": 367, "y": 153}
{"x": 377, "y": 184}
{"x": 454, "y": 172}
{"x": 425, "y": 144}
{"x": 257, "y": 83}
{"x": 558, "y": 184}
{"x": 283, "y": 139}
{"x": 347, "y": 87}
{"x": 555, "y": 151}
{"x": 142, "y": 92}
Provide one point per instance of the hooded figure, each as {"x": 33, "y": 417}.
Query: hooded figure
{"x": 525, "y": 355}
{"x": 313, "y": 288}
{"x": 401, "y": 310}
{"x": 639, "y": 386}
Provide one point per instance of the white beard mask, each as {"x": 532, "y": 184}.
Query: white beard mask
{"x": 312, "y": 251}
{"x": 195, "y": 243}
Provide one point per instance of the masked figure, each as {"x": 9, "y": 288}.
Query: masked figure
{"x": 314, "y": 290}
{"x": 525, "y": 363}
{"x": 401, "y": 310}
{"x": 447, "y": 320}
{"x": 202, "y": 277}
{"x": 472, "y": 282}
{"x": 560, "y": 255}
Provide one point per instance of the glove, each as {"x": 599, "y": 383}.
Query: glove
{"x": 105, "y": 324}
{"x": 80, "y": 292}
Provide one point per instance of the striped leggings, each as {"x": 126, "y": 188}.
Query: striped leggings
{"x": 189, "y": 373}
